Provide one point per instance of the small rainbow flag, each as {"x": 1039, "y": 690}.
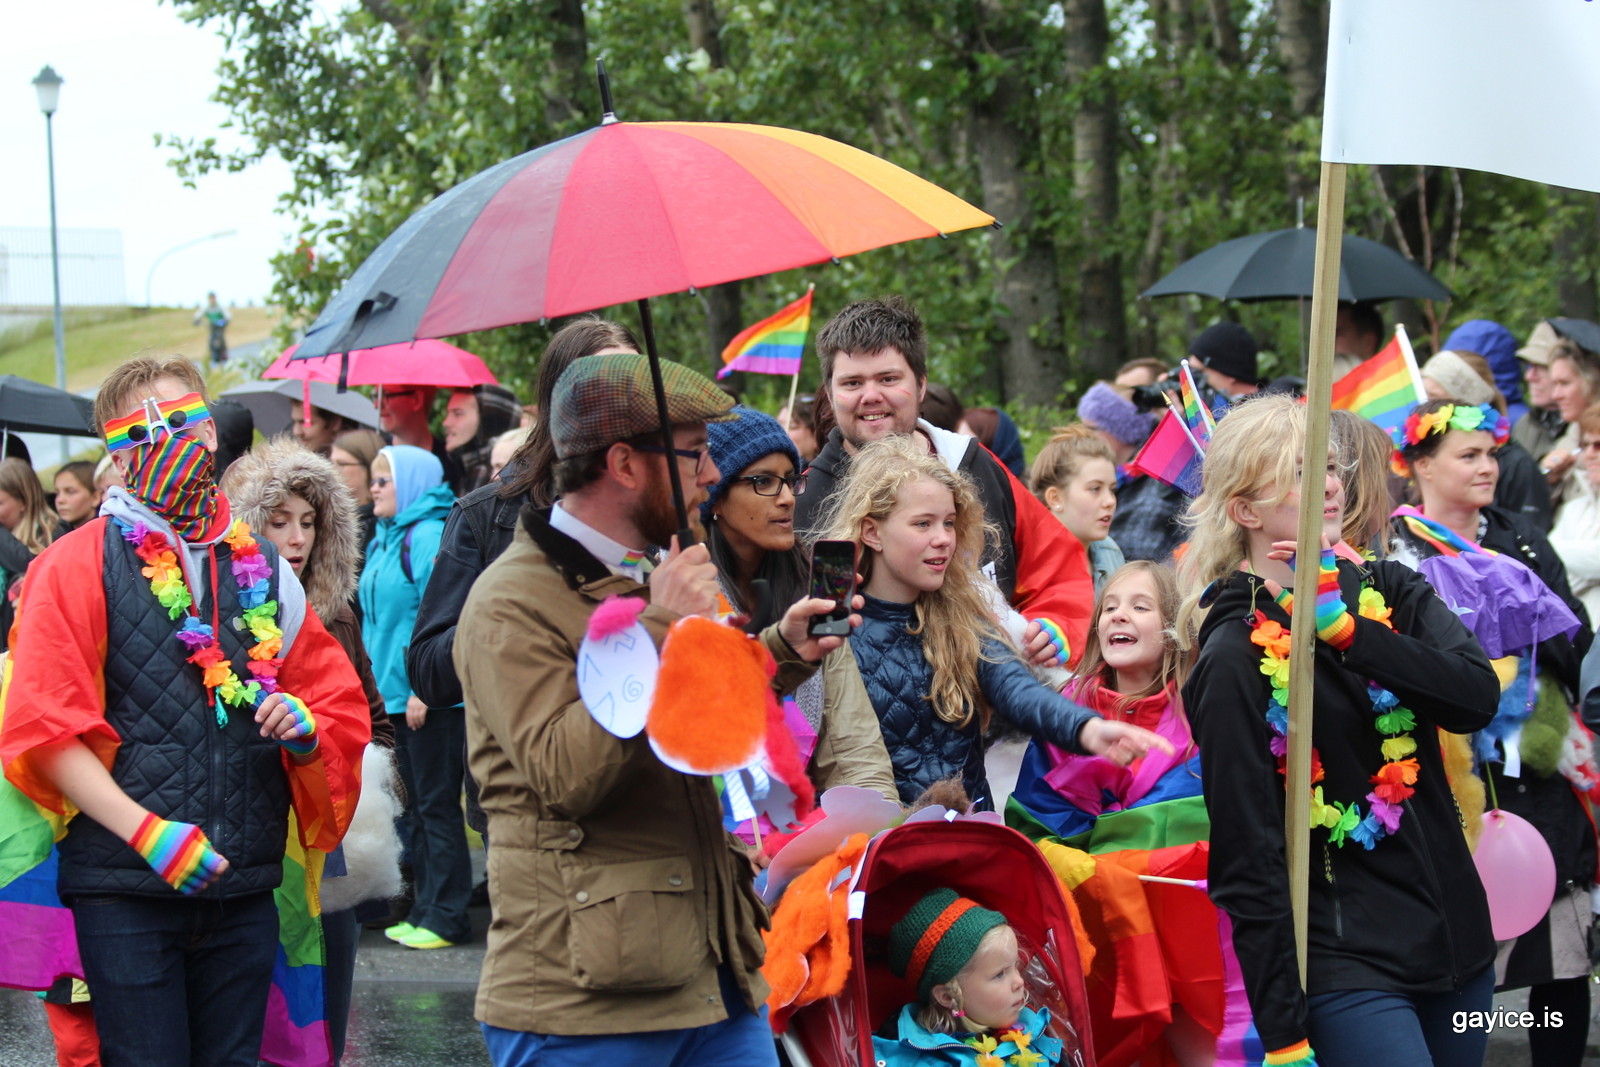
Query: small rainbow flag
{"x": 773, "y": 345}
{"x": 1386, "y": 387}
{"x": 1170, "y": 455}
{"x": 1199, "y": 418}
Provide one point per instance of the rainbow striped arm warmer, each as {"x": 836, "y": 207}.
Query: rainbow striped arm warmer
{"x": 178, "y": 852}
{"x": 305, "y": 742}
{"x": 1058, "y": 638}
{"x": 1335, "y": 624}
{"x": 1297, "y": 1055}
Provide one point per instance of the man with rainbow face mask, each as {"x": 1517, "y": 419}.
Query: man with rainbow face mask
{"x": 169, "y": 699}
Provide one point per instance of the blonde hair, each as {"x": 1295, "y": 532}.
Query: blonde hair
{"x": 1060, "y": 460}
{"x": 36, "y": 528}
{"x": 1363, "y": 450}
{"x": 119, "y": 393}
{"x": 1254, "y": 452}
{"x": 954, "y": 620}
{"x": 1094, "y": 672}
{"x": 938, "y": 1019}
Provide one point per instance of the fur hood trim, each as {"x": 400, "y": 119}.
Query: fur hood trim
{"x": 264, "y": 477}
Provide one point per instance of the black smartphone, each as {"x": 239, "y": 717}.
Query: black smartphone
{"x": 833, "y": 577}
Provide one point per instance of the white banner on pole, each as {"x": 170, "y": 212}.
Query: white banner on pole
{"x": 1507, "y": 86}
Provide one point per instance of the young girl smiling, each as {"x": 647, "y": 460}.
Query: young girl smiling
{"x": 931, "y": 654}
{"x": 1075, "y": 476}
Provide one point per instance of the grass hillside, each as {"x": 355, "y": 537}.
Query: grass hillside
{"x": 93, "y": 348}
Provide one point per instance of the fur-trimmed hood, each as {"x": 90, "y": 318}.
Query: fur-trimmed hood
{"x": 264, "y": 477}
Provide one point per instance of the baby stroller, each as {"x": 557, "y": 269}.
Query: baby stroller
{"x": 995, "y": 866}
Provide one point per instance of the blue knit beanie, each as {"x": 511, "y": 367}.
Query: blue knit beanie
{"x": 1103, "y": 408}
{"x": 739, "y": 442}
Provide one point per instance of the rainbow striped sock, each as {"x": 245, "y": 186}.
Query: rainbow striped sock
{"x": 178, "y": 852}
{"x": 1335, "y": 624}
{"x": 1297, "y": 1055}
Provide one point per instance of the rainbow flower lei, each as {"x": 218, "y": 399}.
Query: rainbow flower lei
{"x": 252, "y": 573}
{"x": 1395, "y": 779}
{"x": 987, "y": 1045}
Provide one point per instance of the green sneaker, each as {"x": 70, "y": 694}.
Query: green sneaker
{"x": 419, "y": 937}
{"x": 399, "y": 932}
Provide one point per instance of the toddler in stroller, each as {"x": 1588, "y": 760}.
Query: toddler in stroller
{"x": 880, "y": 898}
{"x": 965, "y": 963}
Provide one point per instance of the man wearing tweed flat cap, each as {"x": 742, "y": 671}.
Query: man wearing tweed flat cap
{"x": 624, "y": 927}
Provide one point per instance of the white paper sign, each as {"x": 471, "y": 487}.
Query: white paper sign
{"x": 617, "y": 678}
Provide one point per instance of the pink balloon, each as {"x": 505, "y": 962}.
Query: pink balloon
{"x": 1518, "y": 873}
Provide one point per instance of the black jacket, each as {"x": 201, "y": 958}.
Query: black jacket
{"x": 1522, "y": 490}
{"x": 924, "y": 748}
{"x": 1407, "y": 916}
{"x": 174, "y": 758}
{"x": 479, "y": 528}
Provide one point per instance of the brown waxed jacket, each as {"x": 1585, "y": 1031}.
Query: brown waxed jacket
{"x": 616, "y": 890}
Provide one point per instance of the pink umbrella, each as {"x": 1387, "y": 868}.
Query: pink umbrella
{"x": 425, "y": 362}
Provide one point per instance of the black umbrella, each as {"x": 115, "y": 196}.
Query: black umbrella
{"x": 32, "y": 407}
{"x": 1278, "y": 266}
{"x": 1581, "y": 332}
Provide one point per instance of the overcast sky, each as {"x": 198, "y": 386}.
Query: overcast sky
{"x": 133, "y": 69}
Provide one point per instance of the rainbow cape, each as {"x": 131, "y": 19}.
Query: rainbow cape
{"x": 773, "y": 345}
{"x": 1384, "y": 388}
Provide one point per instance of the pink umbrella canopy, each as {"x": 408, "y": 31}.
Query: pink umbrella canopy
{"x": 424, "y": 362}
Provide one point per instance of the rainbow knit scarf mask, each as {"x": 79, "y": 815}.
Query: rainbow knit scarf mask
{"x": 174, "y": 478}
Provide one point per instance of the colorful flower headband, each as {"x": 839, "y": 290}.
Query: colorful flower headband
{"x": 1420, "y": 424}
{"x": 139, "y": 428}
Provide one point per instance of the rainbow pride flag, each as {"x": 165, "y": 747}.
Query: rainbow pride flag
{"x": 773, "y": 345}
{"x": 296, "y": 1031}
{"x": 1199, "y": 418}
{"x": 1384, "y": 388}
{"x": 1170, "y": 455}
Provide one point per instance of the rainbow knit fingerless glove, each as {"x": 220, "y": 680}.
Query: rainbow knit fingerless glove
{"x": 1296, "y": 1055}
{"x": 1058, "y": 638}
{"x": 305, "y": 742}
{"x": 1335, "y": 624}
{"x": 178, "y": 851}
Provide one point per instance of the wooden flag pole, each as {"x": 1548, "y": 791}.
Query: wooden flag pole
{"x": 794, "y": 385}
{"x": 1303, "y": 624}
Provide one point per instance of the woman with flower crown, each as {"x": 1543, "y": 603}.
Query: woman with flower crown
{"x": 1399, "y": 936}
{"x": 1536, "y": 756}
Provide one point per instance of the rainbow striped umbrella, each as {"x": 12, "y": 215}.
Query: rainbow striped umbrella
{"x": 623, "y": 212}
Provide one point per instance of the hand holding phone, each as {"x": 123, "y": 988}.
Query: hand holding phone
{"x": 833, "y": 577}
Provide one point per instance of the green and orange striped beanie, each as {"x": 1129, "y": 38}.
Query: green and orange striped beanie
{"x": 937, "y": 937}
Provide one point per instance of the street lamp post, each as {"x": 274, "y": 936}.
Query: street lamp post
{"x": 48, "y": 86}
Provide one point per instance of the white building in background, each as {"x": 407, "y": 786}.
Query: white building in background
{"x": 91, "y": 268}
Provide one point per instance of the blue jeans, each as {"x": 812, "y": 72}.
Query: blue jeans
{"x": 178, "y": 981}
{"x": 432, "y": 766}
{"x": 741, "y": 1040}
{"x": 1363, "y": 1027}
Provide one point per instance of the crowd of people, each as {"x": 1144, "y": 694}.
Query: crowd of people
{"x": 210, "y": 665}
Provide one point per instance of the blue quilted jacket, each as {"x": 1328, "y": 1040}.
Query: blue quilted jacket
{"x": 923, "y": 747}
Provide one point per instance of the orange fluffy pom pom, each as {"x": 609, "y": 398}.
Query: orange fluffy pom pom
{"x": 709, "y": 712}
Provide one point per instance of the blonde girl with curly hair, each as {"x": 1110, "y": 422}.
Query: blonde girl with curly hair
{"x": 1400, "y": 939}
{"x": 931, "y": 652}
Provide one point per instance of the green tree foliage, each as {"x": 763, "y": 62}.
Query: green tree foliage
{"x": 380, "y": 105}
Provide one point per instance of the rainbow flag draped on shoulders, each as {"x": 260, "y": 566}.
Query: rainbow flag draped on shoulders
{"x": 1386, "y": 387}
{"x": 1160, "y": 949}
{"x": 773, "y": 345}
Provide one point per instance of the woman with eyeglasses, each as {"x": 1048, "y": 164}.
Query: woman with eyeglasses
{"x": 749, "y": 520}
{"x": 411, "y": 500}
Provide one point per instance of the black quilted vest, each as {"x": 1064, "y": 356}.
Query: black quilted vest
{"x": 174, "y": 759}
